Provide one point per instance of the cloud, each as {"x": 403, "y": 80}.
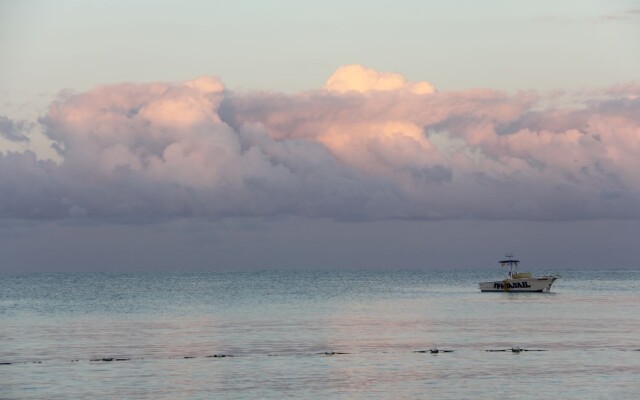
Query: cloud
{"x": 15, "y": 131}
{"x": 612, "y": 18}
{"x": 620, "y": 16}
{"x": 161, "y": 150}
{"x": 357, "y": 78}
{"x": 366, "y": 146}
{"x": 30, "y": 188}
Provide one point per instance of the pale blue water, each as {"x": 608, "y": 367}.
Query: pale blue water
{"x": 276, "y": 325}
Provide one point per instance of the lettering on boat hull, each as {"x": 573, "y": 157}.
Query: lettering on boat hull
{"x": 514, "y": 285}
{"x": 524, "y": 285}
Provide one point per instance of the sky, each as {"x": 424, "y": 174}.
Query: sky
{"x": 213, "y": 135}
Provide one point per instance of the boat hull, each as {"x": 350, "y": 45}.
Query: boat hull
{"x": 519, "y": 285}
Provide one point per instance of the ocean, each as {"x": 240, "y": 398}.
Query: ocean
{"x": 317, "y": 334}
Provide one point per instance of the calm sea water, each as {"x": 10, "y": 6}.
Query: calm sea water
{"x": 275, "y": 328}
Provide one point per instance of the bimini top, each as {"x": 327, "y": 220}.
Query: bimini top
{"x": 509, "y": 260}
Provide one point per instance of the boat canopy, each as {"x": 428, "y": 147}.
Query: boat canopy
{"x": 509, "y": 261}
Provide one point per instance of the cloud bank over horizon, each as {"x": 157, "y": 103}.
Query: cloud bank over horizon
{"x": 368, "y": 145}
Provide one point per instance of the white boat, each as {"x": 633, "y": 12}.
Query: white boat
{"x": 518, "y": 281}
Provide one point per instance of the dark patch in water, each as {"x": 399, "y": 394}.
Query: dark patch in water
{"x": 331, "y": 353}
{"x": 433, "y": 351}
{"x": 515, "y": 350}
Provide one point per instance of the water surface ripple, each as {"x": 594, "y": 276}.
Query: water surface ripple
{"x": 311, "y": 334}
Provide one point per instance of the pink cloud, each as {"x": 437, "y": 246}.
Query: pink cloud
{"x": 368, "y": 145}
{"x": 357, "y": 78}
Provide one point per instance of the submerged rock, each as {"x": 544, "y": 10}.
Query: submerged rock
{"x": 515, "y": 349}
{"x": 433, "y": 350}
{"x": 331, "y": 353}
